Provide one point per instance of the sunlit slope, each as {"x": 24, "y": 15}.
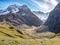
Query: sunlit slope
{"x": 7, "y": 33}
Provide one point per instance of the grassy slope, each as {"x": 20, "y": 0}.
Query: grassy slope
{"x": 12, "y": 37}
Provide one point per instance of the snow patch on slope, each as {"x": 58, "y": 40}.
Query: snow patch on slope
{"x": 15, "y": 10}
{"x": 4, "y": 12}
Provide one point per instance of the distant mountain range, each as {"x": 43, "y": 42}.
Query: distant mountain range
{"x": 41, "y": 15}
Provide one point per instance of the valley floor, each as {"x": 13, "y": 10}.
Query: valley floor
{"x": 12, "y": 37}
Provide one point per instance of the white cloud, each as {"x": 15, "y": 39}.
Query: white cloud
{"x": 53, "y": 2}
{"x": 45, "y": 5}
{"x": 40, "y": 4}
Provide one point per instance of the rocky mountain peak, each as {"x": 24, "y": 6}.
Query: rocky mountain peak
{"x": 16, "y": 15}
{"x": 14, "y": 9}
{"x": 17, "y": 6}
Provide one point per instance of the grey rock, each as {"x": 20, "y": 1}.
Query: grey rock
{"x": 53, "y": 21}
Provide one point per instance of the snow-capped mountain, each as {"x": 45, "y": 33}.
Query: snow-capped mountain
{"x": 17, "y": 15}
{"x": 14, "y": 9}
{"x": 41, "y": 15}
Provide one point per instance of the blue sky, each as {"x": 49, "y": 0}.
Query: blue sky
{"x": 35, "y": 5}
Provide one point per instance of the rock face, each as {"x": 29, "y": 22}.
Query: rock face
{"x": 53, "y": 21}
{"x": 16, "y": 15}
